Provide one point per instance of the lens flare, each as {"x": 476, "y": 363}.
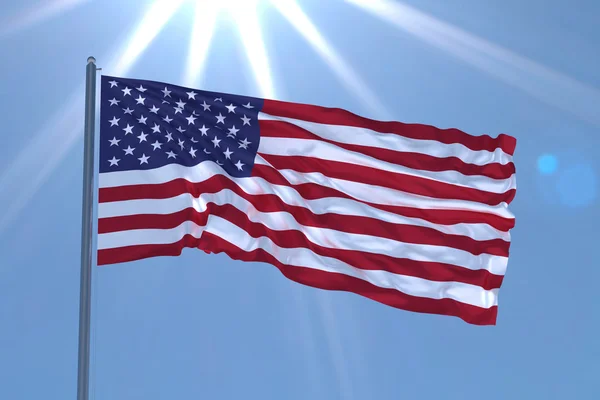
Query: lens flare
{"x": 547, "y": 164}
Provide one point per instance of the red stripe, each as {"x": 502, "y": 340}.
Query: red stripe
{"x": 309, "y": 191}
{"x": 293, "y": 239}
{"x": 337, "y": 116}
{"x": 391, "y": 180}
{"x": 281, "y": 129}
{"x": 312, "y": 191}
{"x": 343, "y": 223}
{"x": 307, "y": 276}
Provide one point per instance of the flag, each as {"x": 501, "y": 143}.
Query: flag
{"x": 409, "y": 215}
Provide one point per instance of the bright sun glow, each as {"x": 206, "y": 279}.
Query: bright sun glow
{"x": 244, "y": 15}
{"x": 205, "y": 19}
{"x": 155, "y": 19}
{"x": 246, "y": 19}
{"x": 66, "y": 126}
{"x": 230, "y": 4}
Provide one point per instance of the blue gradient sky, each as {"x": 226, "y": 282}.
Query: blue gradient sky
{"x": 202, "y": 326}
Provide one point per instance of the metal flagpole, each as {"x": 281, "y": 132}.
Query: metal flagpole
{"x": 83, "y": 368}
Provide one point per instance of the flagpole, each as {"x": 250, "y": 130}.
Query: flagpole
{"x": 83, "y": 368}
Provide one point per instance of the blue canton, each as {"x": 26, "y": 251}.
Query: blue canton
{"x": 146, "y": 125}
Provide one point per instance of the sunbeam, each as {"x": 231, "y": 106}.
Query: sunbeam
{"x": 205, "y": 19}
{"x": 336, "y": 350}
{"x": 66, "y": 127}
{"x": 246, "y": 18}
{"x": 152, "y": 23}
{"x": 539, "y": 81}
{"x": 349, "y": 78}
{"x": 36, "y": 14}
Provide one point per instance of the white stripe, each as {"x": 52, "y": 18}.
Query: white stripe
{"x": 282, "y": 221}
{"x": 359, "y": 191}
{"x": 327, "y": 151}
{"x": 368, "y": 137}
{"x": 317, "y": 207}
{"x": 387, "y": 196}
{"x": 301, "y": 257}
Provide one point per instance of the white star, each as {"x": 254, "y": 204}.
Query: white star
{"x": 142, "y": 120}
{"x": 232, "y": 132}
{"x": 204, "y": 129}
{"x": 113, "y": 84}
{"x": 128, "y": 111}
{"x": 126, "y": 91}
{"x": 244, "y": 144}
{"x": 231, "y": 108}
{"x": 219, "y": 99}
{"x": 156, "y": 128}
{"x": 129, "y": 150}
{"x": 193, "y": 152}
{"x": 181, "y": 143}
{"x": 114, "y": 121}
{"x": 169, "y": 136}
{"x": 180, "y": 104}
{"x": 246, "y": 120}
{"x": 220, "y": 118}
{"x": 141, "y": 89}
{"x": 191, "y": 95}
{"x": 140, "y": 99}
{"x": 248, "y": 105}
{"x": 154, "y": 109}
{"x": 216, "y": 141}
{"x": 114, "y": 141}
{"x": 205, "y": 106}
{"x": 166, "y": 92}
{"x": 228, "y": 153}
{"x": 239, "y": 165}
{"x": 178, "y": 110}
{"x": 170, "y": 154}
{"x": 114, "y": 161}
{"x": 167, "y": 119}
{"x": 144, "y": 159}
{"x": 142, "y": 137}
{"x": 191, "y": 120}
{"x": 181, "y": 130}
{"x": 156, "y": 145}
{"x": 128, "y": 129}
{"x": 114, "y": 102}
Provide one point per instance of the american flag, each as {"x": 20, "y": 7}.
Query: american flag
{"x": 409, "y": 215}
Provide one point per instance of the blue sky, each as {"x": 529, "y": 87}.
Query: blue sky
{"x": 201, "y": 326}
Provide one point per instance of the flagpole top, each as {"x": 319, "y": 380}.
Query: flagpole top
{"x": 91, "y": 60}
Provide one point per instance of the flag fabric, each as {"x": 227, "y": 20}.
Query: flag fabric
{"x": 409, "y": 215}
